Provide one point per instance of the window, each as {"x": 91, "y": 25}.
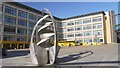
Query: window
{"x": 87, "y": 40}
{"x": 9, "y": 38}
{"x": 70, "y": 23}
{"x": 10, "y": 10}
{"x": 1, "y": 18}
{"x": 77, "y": 22}
{"x": 78, "y": 28}
{"x": 39, "y": 17}
{"x": 32, "y": 17}
{"x": 100, "y": 26}
{"x": 0, "y": 38}
{"x": 60, "y": 36}
{"x": 22, "y": 22}
{"x": 21, "y": 38}
{"x": 64, "y": 35}
{"x": 70, "y": 35}
{"x": 97, "y": 19}
{"x": 80, "y": 40}
{"x": 9, "y": 20}
{"x": 22, "y": 14}
{"x": 63, "y": 24}
{"x": 9, "y": 29}
{"x": 30, "y": 31}
{"x": 87, "y": 27}
{"x": 22, "y": 31}
{"x": 87, "y": 20}
{"x": 97, "y": 26}
{"x": 60, "y": 30}
{"x": 97, "y": 32}
{"x": 1, "y": 6}
{"x": 31, "y": 24}
{"x": 101, "y": 40}
{"x": 88, "y": 33}
{"x": 59, "y": 24}
{"x": 1, "y": 29}
{"x": 70, "y": 29}
{"x": 78, "y": 34}
{"x": 98, "y": 39}
{"x": 63, "y": 29}
{"x": 117, "y": 27}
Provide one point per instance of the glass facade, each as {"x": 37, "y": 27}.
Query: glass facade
{"x": 1, "y": 29}
{"x": 1, "y": 7}
{"x": 87, "y": 27}
{"x": 22, "y": 14}
{"x": 79, "y": 34}
{"x": 21, "y": 38}
{"x": 0, "y": 37}
{"x": 97, "y": 19}
{"x": 64, "y": 35}
{"x": 9, "y": 20}
{"x": 10, "y": 10}
{"x": 22, "y": 22}
{"x": 32, "y": 17}
{"x": 78, "y": 28}
{"x": 9, "y": 29}
{"x": 70, "y": 35}
{"x": 63, "y": 24}
{"x": 97, "y": 32}
{"x": 9, "y": 38}
{"x": 39, "y": 17}
{"x": 59, "y": 24}
{"x": 77, "y": 22}
{"x": 60, "y": 36}
{"x": 87, "y": 20}
{"x": 30, "y": 31}
{"x": 59, "y": 30}
{"x": 98, "y": 39}
{"x": 1, "y": 18}
{"x": 70, "y": 29}
{"x": 31, "y": 24}
{"x": 87, "y": 40}
{"x": 80, "y": 40}
{"x": 117, "y": 27}
{"x": 22, "y": 31}
{"x": 97, "y": 26}
{"x": 64, "y": 29}
{"x": 88, "y": 33}
{"x": 70, "y": 23}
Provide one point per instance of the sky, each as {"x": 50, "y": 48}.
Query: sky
{"x": 69, "y": 9}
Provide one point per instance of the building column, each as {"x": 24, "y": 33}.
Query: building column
{"x": 17, "y": 46}
{"x": 2, "y": 45}
{"x": 10, "y": 46}
{"x": 23, "y": 46}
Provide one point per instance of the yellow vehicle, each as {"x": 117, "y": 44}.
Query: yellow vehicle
{"x": 81, "y": 43}
{"x": 66, "y": 43}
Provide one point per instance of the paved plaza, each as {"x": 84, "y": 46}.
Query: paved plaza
{"x": 105, "y": 55}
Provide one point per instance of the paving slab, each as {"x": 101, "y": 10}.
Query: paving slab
{"x": 105, "y": 55}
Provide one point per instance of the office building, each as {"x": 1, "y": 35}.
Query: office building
{"x": 18, "y": 21}
{"x": 118, "y": 32}
{"x": 92, "y": 27}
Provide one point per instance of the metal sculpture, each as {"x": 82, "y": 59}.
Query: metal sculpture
{"x": 43, "y": 53}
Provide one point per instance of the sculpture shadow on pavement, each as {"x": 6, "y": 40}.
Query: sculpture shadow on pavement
{"x": 73, "y": 57}
{"x": 16, "y": 53}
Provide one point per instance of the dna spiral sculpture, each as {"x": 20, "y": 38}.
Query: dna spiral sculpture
{"x": 42, "y": 52}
